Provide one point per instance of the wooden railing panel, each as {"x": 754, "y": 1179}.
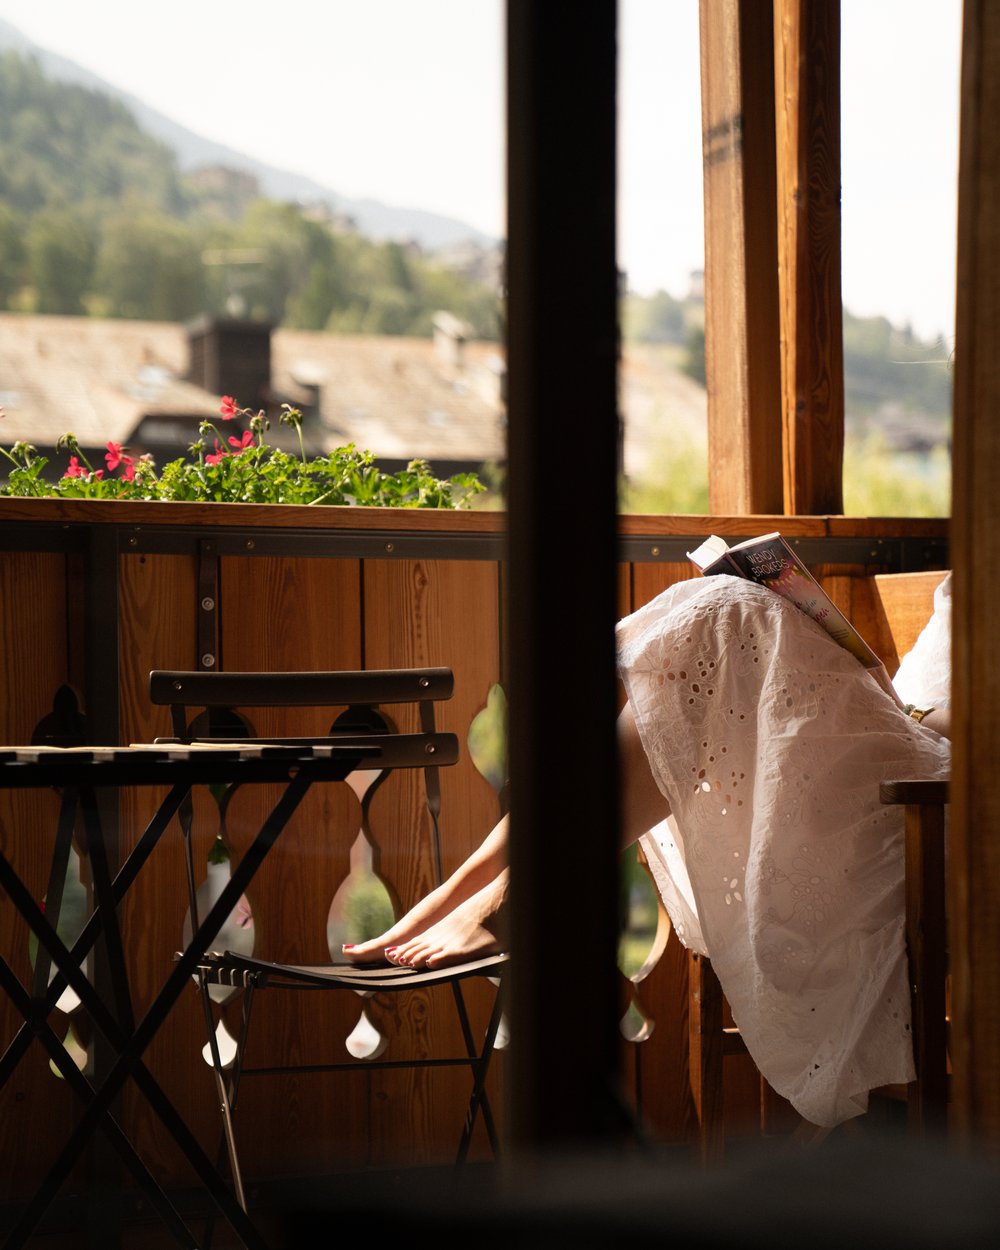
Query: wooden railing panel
{"x": 36, "y": 1107}
{"x": 437, "y": 612}
{"x": 431, "y": 612}
{"x": 287, "y": 613}
{"x": 157, "y": 599}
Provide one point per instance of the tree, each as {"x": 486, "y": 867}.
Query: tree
{"x": 61, "y": 260}
{"x": 693, "y": 363}
{"x": 150, "y": 268}
{"x": 290, "y": 247}
{"x": 12, "y": 256}
{"x": 658, "y": 319}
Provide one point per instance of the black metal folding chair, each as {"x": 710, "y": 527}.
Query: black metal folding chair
{"x": 223, "y": 699}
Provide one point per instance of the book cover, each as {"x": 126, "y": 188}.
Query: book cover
{"x": 771, "y": 562}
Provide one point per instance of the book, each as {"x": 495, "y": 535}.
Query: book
{"x": 771, "y": 562}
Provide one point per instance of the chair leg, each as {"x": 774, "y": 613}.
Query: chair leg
{"x": 705, "y": 1054}
{"x": 480, "y": 1063}
{"x": 926, "y": 950}
{"x": 223, "y": 1092}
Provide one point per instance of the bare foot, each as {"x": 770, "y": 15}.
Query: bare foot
{"x": 472, "y": 929}
{"x": 430, "y": 909}
{"x": 480, "y": 870}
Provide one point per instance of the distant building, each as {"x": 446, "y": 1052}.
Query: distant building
{"x": 149, "y": 385}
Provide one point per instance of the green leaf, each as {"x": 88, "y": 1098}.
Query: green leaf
{"x": 487, "y": 739}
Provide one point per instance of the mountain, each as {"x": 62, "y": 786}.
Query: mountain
{"x": 374, "y": 219}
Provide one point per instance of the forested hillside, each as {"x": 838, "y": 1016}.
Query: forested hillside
{"x": 95, "y": 218}
{"x": 897, "y": 385}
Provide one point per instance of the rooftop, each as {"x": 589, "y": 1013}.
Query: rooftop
{"x": 397, "y": 397}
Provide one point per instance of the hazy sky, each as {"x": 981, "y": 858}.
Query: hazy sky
{"x": 402, "y": 101}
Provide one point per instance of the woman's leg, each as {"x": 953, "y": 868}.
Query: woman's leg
{"x": 642, "y": 803}
{"x": 458, "y": 920}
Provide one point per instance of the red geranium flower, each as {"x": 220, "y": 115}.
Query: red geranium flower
{"x": 228, "y": 408}
{"x": 219, "y": 454}
{"x": 75, "y": 468}
{"x": 241, "y": 444}
{"x": 115, "y": 458}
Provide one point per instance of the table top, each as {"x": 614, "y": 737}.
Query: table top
{"x": 170, "y": 763}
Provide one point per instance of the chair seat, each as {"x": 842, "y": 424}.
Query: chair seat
{"x": 232, "y": 968}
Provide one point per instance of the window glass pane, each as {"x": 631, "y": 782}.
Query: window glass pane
{"x": 331, "y": 171}
{"x": 900, "y": 82}
{"x": 661, "y": 255}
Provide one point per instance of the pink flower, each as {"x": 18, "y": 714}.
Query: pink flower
{"x": 241, "y": 444}
{"x": 228, "y": 408}
{"x": 115, "y": 458}
{"x": 216, "y": 456}
{"x": 75, "y": 469}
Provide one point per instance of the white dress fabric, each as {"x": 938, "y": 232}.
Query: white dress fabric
{"x": 768, "y": 741}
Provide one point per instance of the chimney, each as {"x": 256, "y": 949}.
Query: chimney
{"x": 450, "y": 337}
{"x": 230, "y": 357}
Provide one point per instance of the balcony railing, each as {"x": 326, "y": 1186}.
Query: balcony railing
{"x": 95, "y": 595}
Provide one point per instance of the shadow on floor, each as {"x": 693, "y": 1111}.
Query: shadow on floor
{"x": 842, "y": 1195}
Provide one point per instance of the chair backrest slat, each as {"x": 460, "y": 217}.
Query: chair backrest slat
{"x": 311, "y": 689}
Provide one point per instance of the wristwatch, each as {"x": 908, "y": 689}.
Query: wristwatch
{"x": 916, "y": 713}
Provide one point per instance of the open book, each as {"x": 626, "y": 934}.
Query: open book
{"x": 770, "y": 561}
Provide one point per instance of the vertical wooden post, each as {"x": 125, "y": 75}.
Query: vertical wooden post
{"x": 741, "y": 260}
{"x": 807, "y": 101}
{"x": 705, "y": 1043}
{"x": 975, "y": 828}
{"x": 926, "y": 947}
{"x": 562, "y": 313}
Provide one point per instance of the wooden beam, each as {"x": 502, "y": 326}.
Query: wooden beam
{"x": 807, "y": 98}
{"x": 741, "y": 294}
{"x": 975, "y": 829}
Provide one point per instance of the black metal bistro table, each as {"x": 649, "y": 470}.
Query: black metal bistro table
{"x": 80, "y": 775}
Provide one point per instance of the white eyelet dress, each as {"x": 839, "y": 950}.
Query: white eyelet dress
{"x": 769, "y": 741}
